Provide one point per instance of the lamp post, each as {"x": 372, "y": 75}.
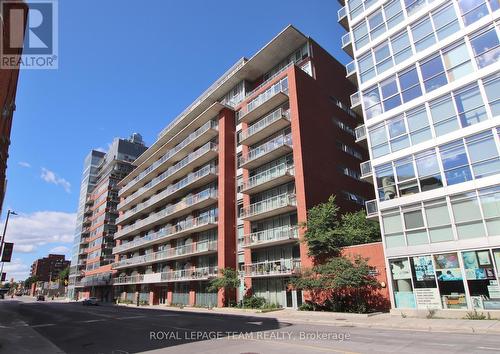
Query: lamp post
{"x": 3, "y": 236}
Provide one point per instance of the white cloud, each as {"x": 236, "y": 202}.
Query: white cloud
{"x": 60, "y": 250}
{"x": 50, "y": 177}
{"x": 16, "y": 269}
{"x": 24, "y": 164}
{"x": 30, "y": 231}
{"x": 104, "y": 150}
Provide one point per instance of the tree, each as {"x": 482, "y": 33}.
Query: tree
{"x": 32, "y": 279}
{"x": 228, "y": 280}
{"x": 357, "y": 229}
{"x": 341, "y": 284}
{"x": 63, "y": 275}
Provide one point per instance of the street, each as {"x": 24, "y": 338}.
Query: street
{"x": 56, "y": 327}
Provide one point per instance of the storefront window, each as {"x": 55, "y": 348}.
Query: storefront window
{"x": 481, "y": 280}
{"x": 424, "y": 279}
{"x": 450, "y": 281}
{"x": 401, "y": 283}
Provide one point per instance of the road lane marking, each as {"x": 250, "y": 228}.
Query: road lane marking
{"x": 43, "y": 325}
{"x": 488, "y": 348}
{"x": 91, "y": 321}
{"x": 168, "y": 315}
{"x": 129, "y": 317}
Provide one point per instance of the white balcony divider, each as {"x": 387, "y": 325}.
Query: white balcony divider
{"x": 188, "y": 249}
{"x": 265, "y": 122}
{"x": 171, "y": 170}
{"x": 273, "y": 144}
{"x": 270, "y": 235}
{"x": 165, "y": 233}
{"x": 268, "y": 175}
{"x": 270, "y": 79}
{"x": 191, "y": 137}
{"x": 266, "y": 205}
{"x": 277, "y": 267}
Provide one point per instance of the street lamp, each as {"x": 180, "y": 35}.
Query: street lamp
{"x": 3, "y": 236}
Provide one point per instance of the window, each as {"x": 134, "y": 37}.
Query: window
{"x": 467, "y": 215}
{"x": 414, "y": 224}
{"x": 428, "y": 170}
{"x": 492, "y": 88}
{"x": 470, "y": 106}
{"x": 413, "y": 219}
{"x": 378, "y": 141}
{"x": 393, "y": 13}
{"x": 383, "y": 59}
{"x": 366, "y": 67}
{"x": 472, "y": 10}
{"x": 401, "y": 47}
{"x": 360, "y": 34}
{"x": 438, "y": 221}
{"x": 455, "y": 163}
{"x": 385, "y": 182}
{"x": 457, "y": 61}
{"x": 393, "y": 229}
{"x": 483, "y": 154}
{"x": 410, "y": 87}
{"x": 433, "y": 73}
{"x": 390, "y": 93}
{"x": 444, "y": 116}
{"x": 418, "y": 125}
{"x": 371, "y": 99}
{"x": 405, "y": 172}
{"x": 445, "y": 21}
{"x": 397, "y": 134}
{"x": 413, "y": 5}
{"x": 377, "y": 24}
{"x": 355, "y": 7}
{"x": 490, "y": 203}
{"x": 423, "y": 34}
{"x": 486, "y": 47}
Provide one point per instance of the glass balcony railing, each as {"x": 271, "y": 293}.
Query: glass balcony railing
{"x": 131, "y": 279}
{"x": 355, "y": 99}
{"x": 172, "y": 152}
{"x": 169, "y": 210}
{"x": 261, "y": 150}
{"x": 346, "y": 40}
{"x": 270, "y": 268}
{"x": 280, "y": 86}
{"x": 265, "y": 122}
{"x": 271, "y": 235}
{"x": 267, "y": 176}
{"x": 170, "y": 171}
{"x": 185, "y": 250}
{"x": 366, "y": 169}
{"x": 269, "y": 79}
{"x": 360, "y": 132}
{"x": 189, "y": 274}
{"x": 371, "y": 208}
{"x": 266, "y": 205}
{"x": 342, "y": 14}
{"x": 350, "y": 68}
{"x": 186, "y": 225}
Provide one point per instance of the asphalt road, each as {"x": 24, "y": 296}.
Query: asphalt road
{"x": 31, "y": 327}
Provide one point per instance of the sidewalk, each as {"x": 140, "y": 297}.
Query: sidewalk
{"x": 379, "y": 321}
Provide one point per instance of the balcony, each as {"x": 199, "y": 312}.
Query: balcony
{"x": 266, "y": 208}
{"x": 268, "y": 179}
{"x": 366, "y": 171}
{"x": 276, "y": 236}
{"x": 342, "y": 18}
{"x": 184, "y": 227}
{"x": 282, "y": 267}
{"x": 351, "y": 71}
{"x": 194, "y": 180}
{"x": 347, "y": 44}
{"x": 201, "y": 273}
{"x": 192, "y": 249}
{"x": 270, "y": 124}
{"x": 371, "y": 208}
{"x": 197, "y": 158}
{"x": 360, "y": 133}
{"x": 274, "y": 96}
{"x": 185, "y": 206}
{"x": 271, "y": 150}
{"x": 201, "y": 136}
{"x": 138, "y": 279}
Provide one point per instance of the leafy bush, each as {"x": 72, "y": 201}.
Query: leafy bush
{"x": 253, "y": 302}
{"x": 474, "y": 315}
{"x": 144, "y": 302}
{"x": 306, "y": 306}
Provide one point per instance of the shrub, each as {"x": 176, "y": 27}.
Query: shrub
{"x": 474, "y": 315}
{"x": 431, "y": 313}
{"x": 253, "y": 302}
{"x": 306, "y": 306}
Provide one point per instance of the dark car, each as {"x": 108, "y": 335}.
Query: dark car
{"x": 40, "y": 298}
{"x": 91, "y": 301}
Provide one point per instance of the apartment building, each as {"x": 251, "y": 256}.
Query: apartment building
{"x": 429, "y": 83}
{"x": 228, "y": 181}
{"x": 47, "y": 268}
{"x": 90, "y": 272}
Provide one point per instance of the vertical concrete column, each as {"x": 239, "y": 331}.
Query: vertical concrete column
{"x": 192, "y": 294}
{"x": 169, "y": 294}
{"x": 247, "y": 228}
{"x": 226, "y": 236}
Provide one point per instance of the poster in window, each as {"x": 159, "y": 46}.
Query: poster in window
{"x": 484, "y": 258}
{"x": 400, "y": 269}
{"x": 446, "y": 261}
{"x": 424, "y": 269}
{"x": 449, "y": 274}
{"x": 470, "y": 260}
{"x": 496, "y": 254}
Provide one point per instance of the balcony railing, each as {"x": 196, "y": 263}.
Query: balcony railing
{"x": 171, "y": 171}
{"x": 350, "y": 68}
{"x": 131, "y": 279}
{"x": 168, "y": 211}
{"x": 366, "y": 169}
{"x": 355, "y": 99}
{"x": 360, "y": 133}
{"x": 371, "y": 208}
{"x": 273, "y": 268}
{"x": 277, "y": 234}
{"x": 346, "y": 39}
{"x": 181, "y": 227}
{"x": 265, "y": 122}
{"x": 267, "y": 176}
{"x": 185, "y": 250}
{"x": 280, "y": 86}
{"x": 189, "y": 274}
{"x": 172, "y": 152}
{"x": 261, "y": 150}
{"x": 267, "y": 205}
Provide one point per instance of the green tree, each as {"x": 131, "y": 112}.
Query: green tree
{"x": 357, "y": 229}
{"x": 63, "y": 275}
{"x": 32, "y": 279}
{"x": 227, "y": 280}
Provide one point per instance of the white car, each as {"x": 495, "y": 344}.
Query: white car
{"x": 91, "y": 301}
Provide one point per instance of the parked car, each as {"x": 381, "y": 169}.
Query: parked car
{"x": 91, "y": 301}
{"x": 40, "y": 298}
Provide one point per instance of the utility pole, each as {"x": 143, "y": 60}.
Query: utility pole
{"x": 3, "y": 236}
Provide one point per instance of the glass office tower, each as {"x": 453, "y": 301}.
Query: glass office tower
{"x": 429, "y": 87}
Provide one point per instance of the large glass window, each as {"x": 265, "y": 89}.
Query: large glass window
{"x": 455, "y": 163}
{"x": 383, "y": 59}
{"x": 385, "y": 182}
{"x": 410, "y": 86}
{"x": 378, "y": 141}
{"x": 377, "y": 24}
{"x": 397, "y": 133}
{"x": 401, "y": 283}
{"x": 472, "y": 10}
{"x": 470, "y": 106}
{"x": 492, "y": 88}
{"x": 423, "y": 34}
{"x": 371, "y": 100}
{"x": 445, "y": 21}
{"x": 413, "y": 6}
{"x": 480, "y": 275}
{"x": 360, "y": 34}
{"x": 366, "y": 67}
{"x": 486, "y": 47}
{"x": 418, "y": 125}
{"x": 393, "y": 13}
{"x": 428, "y": 170}
{"x": 467, "y": 215}
{"x": 483, "y": 154}
{"x": 401, "y": 47}
{"x": 450, "y": 281}
{"x": 390, "y": 93}
{"x": 438, "y": 221}
{"x": 457, "y": 61}
{"x": 490, "y": 204}
{"x": 444, "y": 116}
{"x": 405, "y": 173}
{"x": 433, "y": 73}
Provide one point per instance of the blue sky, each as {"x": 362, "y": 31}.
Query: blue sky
{"x": 125, "y": 66}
